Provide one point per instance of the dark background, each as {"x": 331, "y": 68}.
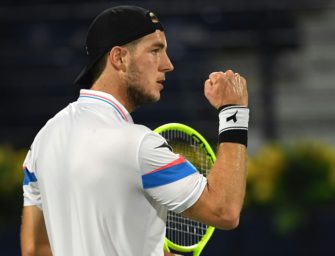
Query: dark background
{"x": 285, "y": 49}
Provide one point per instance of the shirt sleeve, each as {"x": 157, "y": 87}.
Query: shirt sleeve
{"x": 31, "y": 191}
{"x": 167, "y": 177}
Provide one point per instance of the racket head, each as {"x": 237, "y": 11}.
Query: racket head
{"x": 184, "y": 234}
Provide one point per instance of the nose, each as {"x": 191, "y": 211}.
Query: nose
{"x": 167, "y": 65}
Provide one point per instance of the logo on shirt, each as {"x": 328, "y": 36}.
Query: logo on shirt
{"x": 165, "y": 145}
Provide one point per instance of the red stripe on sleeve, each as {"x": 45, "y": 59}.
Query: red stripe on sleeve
{"x": 179, "y": 160}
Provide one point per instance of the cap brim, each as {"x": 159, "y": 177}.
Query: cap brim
{"x": 85, "y": 77}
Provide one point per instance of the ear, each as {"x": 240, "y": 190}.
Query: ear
{"x": 117, "y": 57}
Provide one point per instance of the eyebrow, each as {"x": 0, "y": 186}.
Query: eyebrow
{"x": 159, "y": 45}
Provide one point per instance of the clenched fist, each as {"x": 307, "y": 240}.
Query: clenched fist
{"x": 223, "y": 88}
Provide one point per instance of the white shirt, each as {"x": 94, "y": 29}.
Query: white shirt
{"x": 104, "y": 183}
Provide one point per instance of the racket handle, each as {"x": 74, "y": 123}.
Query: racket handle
{"x": 166, "y": 248}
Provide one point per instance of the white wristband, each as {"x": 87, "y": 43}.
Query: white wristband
{"x": 233, "y": 126}
{"x": 233, "y": 117}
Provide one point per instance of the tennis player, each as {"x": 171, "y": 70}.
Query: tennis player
{"x": 95, "y": 183}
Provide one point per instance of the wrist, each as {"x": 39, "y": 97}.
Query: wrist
{"x": 233, "y": 124}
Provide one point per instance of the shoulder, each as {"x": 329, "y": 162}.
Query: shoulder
{"x": 141, "y": 131}
{"x": 58, "y": 117}
{"x": 49, "y": 126}
{"x": 138, "y": 128}
{"x": 143, "y": 139}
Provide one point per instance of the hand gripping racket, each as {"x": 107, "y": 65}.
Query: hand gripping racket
{"x": 183, "y": 234}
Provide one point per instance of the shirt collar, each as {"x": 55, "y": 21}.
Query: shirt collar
{"x": 106, "y": 98}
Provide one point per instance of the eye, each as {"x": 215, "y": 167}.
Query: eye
{"x": 155, "y": 51}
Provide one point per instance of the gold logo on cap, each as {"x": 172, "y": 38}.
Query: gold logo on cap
{"x": 153, "y": 17}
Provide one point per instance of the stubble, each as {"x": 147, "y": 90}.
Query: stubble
{"x": 136, "y": 93}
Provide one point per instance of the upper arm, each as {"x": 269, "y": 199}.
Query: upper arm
{"x": 206, "y": 211}
{"x": 31, "y": 190}
{"x": 209, "y": 210}
{"x": 167, "y": 177}
{"x": 34, "y": 238}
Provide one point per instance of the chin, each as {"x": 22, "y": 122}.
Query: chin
{"x": 154, "y": 96}
{"x": 157, "y": 97}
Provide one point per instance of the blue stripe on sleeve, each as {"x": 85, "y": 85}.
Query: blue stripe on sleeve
{"x": 28, "y": 177}
{"x": 167, "y": 175}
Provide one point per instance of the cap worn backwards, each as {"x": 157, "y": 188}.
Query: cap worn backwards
{"x": 115, "y": 26}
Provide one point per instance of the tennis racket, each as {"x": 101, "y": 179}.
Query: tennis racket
{"x": 183, "y": 234}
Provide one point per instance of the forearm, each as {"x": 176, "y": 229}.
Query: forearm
{"x": 34, "y": 239}
{"x": 226, "y": 182}
{"x": 37, "y": 250}
{"x": 221, "y": 201}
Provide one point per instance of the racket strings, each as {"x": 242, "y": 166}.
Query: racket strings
{"x": 184, "y": 231}
{"x": 180, "y": 230}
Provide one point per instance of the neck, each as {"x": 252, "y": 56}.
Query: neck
{"x": 115, "y": 88}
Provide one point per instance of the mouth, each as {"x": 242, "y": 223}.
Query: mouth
{"x": 161, "y": 82}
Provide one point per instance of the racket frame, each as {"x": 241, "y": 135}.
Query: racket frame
{"x": 198, "y": 247}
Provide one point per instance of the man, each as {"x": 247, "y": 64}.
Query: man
{"x": 86, "y": 186}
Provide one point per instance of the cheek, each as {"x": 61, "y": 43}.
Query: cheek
{"x": 147, "y": 71}
{"x": 149, "y": 62}
{"x": 146, "y": 68}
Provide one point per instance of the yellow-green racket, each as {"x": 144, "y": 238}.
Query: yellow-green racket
{"x": 183, "y": 234}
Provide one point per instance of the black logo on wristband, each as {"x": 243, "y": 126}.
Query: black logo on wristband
{"x": 233, "y": 117}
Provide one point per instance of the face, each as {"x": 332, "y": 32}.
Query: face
{"x": 147, "y": 64}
